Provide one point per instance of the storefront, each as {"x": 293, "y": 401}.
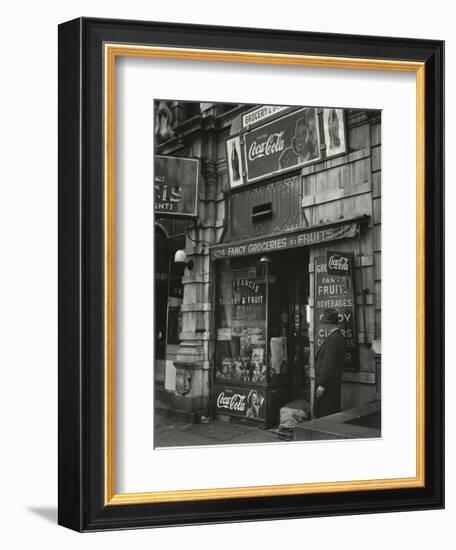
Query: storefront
{"x": 288, "y": 225}
{"x": 263, "y": 317}
{"x": 276, "y": 271}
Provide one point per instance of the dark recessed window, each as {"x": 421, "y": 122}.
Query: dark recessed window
{"x": 262, "y": 211}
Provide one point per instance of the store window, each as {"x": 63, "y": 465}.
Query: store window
{"x": 241, "y": 322}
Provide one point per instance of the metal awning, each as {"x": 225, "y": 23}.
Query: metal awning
{"x": 304, "y": 236}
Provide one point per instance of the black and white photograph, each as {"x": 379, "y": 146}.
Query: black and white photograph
{"x": 224, "y": 263}
{"x": 268, "y": 313}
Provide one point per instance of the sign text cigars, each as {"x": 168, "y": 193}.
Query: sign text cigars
{"x": 334, "y": 289}
{"x": 305, "y": 237}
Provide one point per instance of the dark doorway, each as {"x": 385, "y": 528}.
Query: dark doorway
{"x": 289, "y": 316}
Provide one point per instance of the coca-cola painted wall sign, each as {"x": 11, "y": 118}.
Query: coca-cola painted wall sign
{"x": 336, "y": 292}
{"x": 176, "y": 187}
{"x": 338, "y": 263}
{"x": 245, "y": 402}
{"x": 283, "y": 144}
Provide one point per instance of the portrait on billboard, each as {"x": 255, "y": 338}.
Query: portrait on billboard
{"x": 287, "y": 142}
{"x": 279, "y": 272}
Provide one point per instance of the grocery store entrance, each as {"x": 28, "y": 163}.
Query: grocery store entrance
{"x": 289, "y": 317}
{"x": 262, "y": 335}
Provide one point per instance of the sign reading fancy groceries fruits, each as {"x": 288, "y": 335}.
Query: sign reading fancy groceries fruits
{"x": 175, "y": 186}
{"x": 285, "y": 143}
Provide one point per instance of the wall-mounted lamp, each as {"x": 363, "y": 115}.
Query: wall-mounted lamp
{"x": 180, "y": 257}
{"x": 265, "y": 260}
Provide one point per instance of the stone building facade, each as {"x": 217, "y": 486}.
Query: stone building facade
{"x": 292, "y": 219}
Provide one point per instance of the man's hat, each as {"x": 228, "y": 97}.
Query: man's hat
{"x": 330, "y": 316}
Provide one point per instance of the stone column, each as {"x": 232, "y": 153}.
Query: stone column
{"x": 191, "y": 396}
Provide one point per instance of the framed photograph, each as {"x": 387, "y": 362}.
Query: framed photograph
{"x": 250, "y": 274}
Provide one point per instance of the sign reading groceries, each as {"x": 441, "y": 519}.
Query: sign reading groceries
{"x": 282, "y": 144}
{"x": 261, "y": 114}
{"x": 304, "y": 237}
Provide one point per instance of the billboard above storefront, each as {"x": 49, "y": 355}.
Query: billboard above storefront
{"x": 273, "y": 139}
{"x": 176, "y": 187}
{"x": 285, "y": 143}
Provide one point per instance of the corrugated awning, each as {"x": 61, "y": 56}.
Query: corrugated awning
{"x": 331, "y": 231}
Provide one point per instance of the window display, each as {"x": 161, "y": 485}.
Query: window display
{"x": 241, "y": 322}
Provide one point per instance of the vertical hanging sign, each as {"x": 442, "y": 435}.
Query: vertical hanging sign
{"x": 334, "y": 289}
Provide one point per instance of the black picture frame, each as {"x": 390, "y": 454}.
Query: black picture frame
{"x": 81, "y": 322}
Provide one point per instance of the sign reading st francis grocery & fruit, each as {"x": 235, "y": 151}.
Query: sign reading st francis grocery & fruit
{"x": 288, "y": 142}
{"x": 176, "y": 186}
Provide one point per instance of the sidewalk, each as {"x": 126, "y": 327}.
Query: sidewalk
{"x": 174, "y": 433}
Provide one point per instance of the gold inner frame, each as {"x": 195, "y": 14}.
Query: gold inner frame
{"x": 111, "y": 52}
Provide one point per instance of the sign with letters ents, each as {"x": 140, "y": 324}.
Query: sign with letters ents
{"x": 176, "y": 186}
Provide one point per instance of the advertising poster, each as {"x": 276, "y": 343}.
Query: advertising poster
{"x": 234, "y": 158}
{"x": 287, "y": 142}
{"x": 336, "y": 292}
{"x": 334, "y": 128}
{"x": 248, "y": 403}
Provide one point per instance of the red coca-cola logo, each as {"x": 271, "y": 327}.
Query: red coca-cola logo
{"x": 339, "y": 263}
{"x": 235, "y": 402}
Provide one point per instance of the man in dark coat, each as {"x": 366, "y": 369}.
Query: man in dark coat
{"x": 329, "y": 364}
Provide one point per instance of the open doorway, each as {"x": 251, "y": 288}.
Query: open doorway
{"x": 289, "y": 318}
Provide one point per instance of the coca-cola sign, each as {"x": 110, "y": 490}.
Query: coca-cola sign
{"x": 337, "y": 263}
{"x": 246, "y": 402}
{"x": 234, "y": 402}
{"x": 334, "y": 289}
{"x": 266, "y": 147}
{"x": 261, "y": 114}
{"x": 285, "y": 143}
